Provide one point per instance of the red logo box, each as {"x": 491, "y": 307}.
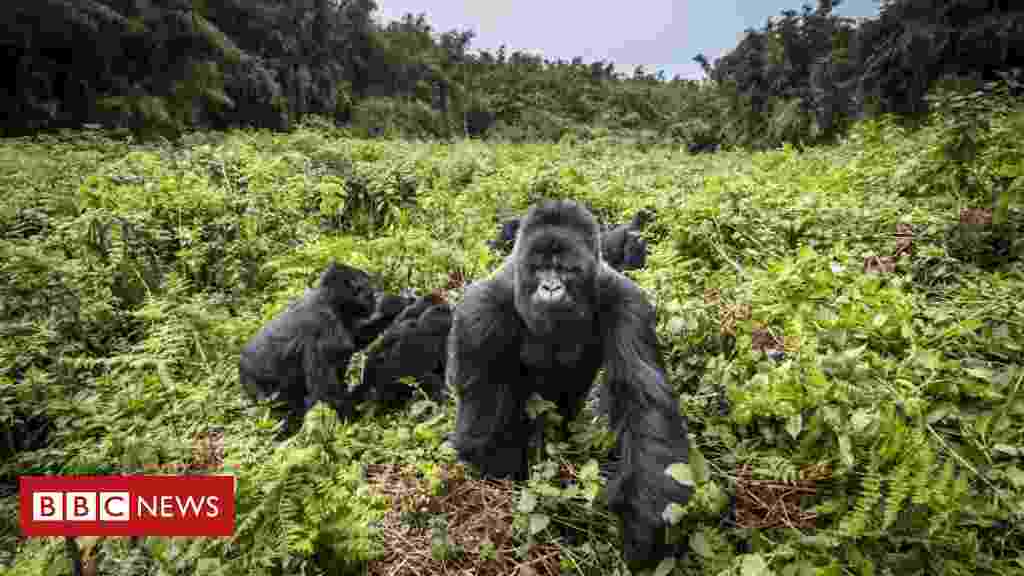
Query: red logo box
{"x": 127, "y": 505}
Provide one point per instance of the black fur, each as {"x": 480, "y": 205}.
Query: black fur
{"x": 418, "y": 306}
{"x": 545, "y": 322}
{"x": 623, "y": 247}
{"x": 298, "y": 355}
{"x": 413, "y": 346}
{"x": 388, "y": 307}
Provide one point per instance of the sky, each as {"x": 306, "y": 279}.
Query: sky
{"x": 660, "y": 34}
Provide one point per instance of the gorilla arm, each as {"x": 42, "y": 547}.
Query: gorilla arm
{"x": 322, "y": 357}
{"x": 483, "y": 368}
{"x": 644, "y": 413}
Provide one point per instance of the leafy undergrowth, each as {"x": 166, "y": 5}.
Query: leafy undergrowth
{"x": 844, "y": 327}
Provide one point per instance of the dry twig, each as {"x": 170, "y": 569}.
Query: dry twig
{"x": 475, "y": 512}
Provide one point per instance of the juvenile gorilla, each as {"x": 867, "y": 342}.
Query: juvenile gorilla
{"x": 297, "y": 356}
{"x": 418, "y": 307}
{"x": 413, "y": 346}
{"x": 545, "y": 322}
{"x": 388, "y": 307}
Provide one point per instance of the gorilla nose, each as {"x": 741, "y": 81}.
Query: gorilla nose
{"x": 551, "y": 291}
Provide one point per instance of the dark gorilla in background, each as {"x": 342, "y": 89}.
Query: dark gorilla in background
{"x": 413, "y": 346}
{"x": 546, "y": 322}
{"x": 298, "y": 355}
{"x": 623, "y": 247}
{"x": 506, "y": 235}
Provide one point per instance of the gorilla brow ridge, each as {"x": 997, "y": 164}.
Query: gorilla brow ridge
{"x": 562, "y": 214}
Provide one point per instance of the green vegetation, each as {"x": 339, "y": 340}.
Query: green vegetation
{"x": 164, "y": 67}
{"x": 886, "y": 439}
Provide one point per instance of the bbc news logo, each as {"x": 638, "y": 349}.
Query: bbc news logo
{"x": 127, "y": 505}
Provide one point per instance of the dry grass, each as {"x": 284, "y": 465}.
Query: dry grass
{"x": 475, "y": 512}
{"x": 773, "y": 504}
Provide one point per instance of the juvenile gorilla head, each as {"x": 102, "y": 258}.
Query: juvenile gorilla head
{"x": 387, "y": 308}
{"x": 348, "y": 290}
{"x": 556, "y": 258}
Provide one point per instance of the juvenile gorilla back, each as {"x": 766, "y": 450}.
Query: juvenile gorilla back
{"x": 297, "y": 356}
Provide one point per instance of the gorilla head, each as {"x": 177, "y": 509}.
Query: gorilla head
{"x": 556, "y": 258}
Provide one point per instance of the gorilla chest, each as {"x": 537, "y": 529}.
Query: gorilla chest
{"x": 549, "y": 354}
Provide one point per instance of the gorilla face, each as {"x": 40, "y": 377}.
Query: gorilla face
{"x": 349, "y": 288}
{"x": 556, "y": 261}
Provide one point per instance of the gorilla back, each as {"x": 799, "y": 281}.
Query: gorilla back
{"x": 545, "y": 322}
{"x": 414, "y": 347}
{"x": 297, "y": 356}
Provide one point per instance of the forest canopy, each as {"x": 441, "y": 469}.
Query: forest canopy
{"x": 162, "y": 67}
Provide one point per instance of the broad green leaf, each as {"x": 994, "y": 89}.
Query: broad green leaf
{"x": 1009, "y": 450}
{"x": 699, "y": 544}
{"x": 795, "y": 425}
{"x": 208, "y": 566}
{"x": 677, "y": 326}
{"x": 1015, "y": 476}
{"x": 698, "y": 465}
{"x": 665, "y": 567}
{"x": 538, "y": 522}
{"x": 980, "y": 373}
{"x": 755, "y": 565}
{"x": 527, "y": 502}
{"x": 590, "y": 470}
{"x": 682, "y": 473}
{"x": 906, "y": 330}
{"x": 672, "y": 513}
{"x": 846, "y": 450}
{"x": 861, "y": 419}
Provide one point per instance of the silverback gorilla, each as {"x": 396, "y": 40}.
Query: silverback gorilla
{"x": 297, "y": 356}
{"x": 546, "y": 322}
